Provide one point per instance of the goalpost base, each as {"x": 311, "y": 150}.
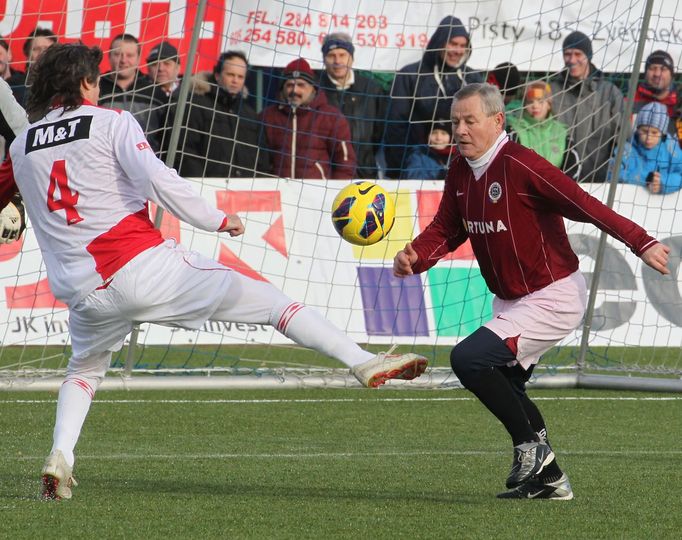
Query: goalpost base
{"x": 434, "y": 379}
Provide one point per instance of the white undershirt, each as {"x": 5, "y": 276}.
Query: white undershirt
{"x": 350, "y": 80}
{"x": 480, "y": 165}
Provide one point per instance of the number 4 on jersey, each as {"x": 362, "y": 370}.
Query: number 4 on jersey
{"x": 67, "y": 199}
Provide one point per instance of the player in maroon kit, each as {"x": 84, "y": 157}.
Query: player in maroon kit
{"x": 510, "y": 203}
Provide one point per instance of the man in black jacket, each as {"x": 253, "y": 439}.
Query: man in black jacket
{"x": 125, "y": 86}
{"x": 422, "y": 92}
{"x": 362, "y": 101}
{"x": 222, "y": 134}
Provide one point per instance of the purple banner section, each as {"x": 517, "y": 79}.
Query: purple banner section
{"x": 392, "y": 306}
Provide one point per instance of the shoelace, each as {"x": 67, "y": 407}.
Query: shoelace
{"x": 388, "y": 352}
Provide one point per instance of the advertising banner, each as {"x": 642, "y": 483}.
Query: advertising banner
{"x": 290, "y": 242}
{"x": 387, "y": 34}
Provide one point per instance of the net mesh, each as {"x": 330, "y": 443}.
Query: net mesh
{"x": 223, "y": 146}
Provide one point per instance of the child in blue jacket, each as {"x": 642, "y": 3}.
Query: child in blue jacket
{"x": 652, "y": 159}
{"x": 430, "y": 162}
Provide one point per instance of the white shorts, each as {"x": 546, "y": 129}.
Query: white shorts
{"x": 539, "y": 320}
{"x": 166, "y": 284}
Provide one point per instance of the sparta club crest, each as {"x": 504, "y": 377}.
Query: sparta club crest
{"x": 495, "y": 192}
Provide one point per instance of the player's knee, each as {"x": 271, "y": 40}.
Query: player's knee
{"x": 463, "y": 361}
{"x": 88, "y": 371}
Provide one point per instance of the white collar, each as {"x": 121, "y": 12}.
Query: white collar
{"x": 478, "y": 166}
{"x": 350, "y": 81}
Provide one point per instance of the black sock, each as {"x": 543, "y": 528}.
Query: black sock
{"x": 552, "y": 472}
{"x": 492, "y": 388}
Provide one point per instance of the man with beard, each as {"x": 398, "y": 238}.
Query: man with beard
{"x": 307, "y": 137}
{"x": 658, "y": 87}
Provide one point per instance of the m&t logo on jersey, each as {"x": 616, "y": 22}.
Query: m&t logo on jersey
{"x": 62, "y": 132}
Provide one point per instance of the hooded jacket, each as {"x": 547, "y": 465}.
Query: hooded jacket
{"x": 592, "y": 109}
{"x": 423, "y": 91}
{"x": 311, "y": 141}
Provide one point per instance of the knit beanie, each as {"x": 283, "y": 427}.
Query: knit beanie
{"x": 337, "y": 41}
{"x": 445, "y": 125}
{"x": 578, "y": 40}
{"x": 506, "y": 77}
{"x": 299, "y": 69}
{"x": 661, "y": 58}
{"x": 653, "y": 114}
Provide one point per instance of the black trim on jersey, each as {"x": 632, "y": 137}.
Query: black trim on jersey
{"x": 56, "y": 133}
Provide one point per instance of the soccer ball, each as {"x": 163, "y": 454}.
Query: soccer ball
{"x": 363, "y": 213}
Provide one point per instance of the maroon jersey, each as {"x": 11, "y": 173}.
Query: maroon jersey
{"x": 513, "y": 216}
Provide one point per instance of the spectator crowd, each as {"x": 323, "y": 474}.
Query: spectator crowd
{"x": 343, "y": 124}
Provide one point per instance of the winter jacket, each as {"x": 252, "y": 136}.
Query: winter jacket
{"x": 422, "y": 92}
{"x": 310, "y": 141}
{"x": 364, "y": 105}
{"x": 425, "y": 163}
{"x": 221, "y": 138}
{"x": 665, "y": 157}
{"x": 547, "y": 137}
{"x": 592, "y": 109}
{"x": 141, "y": 99}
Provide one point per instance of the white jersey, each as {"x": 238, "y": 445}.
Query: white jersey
{"x": 86, "y": 177}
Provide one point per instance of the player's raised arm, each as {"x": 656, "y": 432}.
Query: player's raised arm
{"x": 162, "y": 184}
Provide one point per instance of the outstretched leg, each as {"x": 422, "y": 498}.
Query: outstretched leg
{"x": 251, "y": 301}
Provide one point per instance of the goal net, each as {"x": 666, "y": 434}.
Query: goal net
{"x": 634, "y": 322}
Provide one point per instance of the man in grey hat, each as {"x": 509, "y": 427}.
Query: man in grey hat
{"x": 361, "y": 100}
{"x": 589, "y": 104}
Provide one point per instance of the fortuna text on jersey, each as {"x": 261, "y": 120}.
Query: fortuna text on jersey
{"x": 485, "y": 227}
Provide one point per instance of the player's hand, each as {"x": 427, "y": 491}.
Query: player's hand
{"x": 10, "y": 224}
{"x": 234, "y": 226}
{"x": 655, "y": 184}
{"x": 403, "y": 261}
{"x": 657, "y": 257}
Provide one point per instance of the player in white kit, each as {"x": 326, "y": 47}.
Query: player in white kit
{"x": 86, "y": 175}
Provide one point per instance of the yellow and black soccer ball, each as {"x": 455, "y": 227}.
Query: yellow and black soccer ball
{"x": 363, "y": 213}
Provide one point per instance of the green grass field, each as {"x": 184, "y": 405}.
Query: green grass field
{"x": 339, "y": 464}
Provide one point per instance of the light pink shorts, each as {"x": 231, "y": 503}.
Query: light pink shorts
{"x": 538, "y": 321}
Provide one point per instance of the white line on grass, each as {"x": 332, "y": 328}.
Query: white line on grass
{"x": 341, "y": 400}
{"x": 316, "y": 455}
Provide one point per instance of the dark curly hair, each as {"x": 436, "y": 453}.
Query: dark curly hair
{"x": 56, "y": 77}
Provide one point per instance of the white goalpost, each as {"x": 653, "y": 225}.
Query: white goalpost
{"x": 631, "y": 337}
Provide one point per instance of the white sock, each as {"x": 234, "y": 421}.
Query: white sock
{"x": 308, "y": 328}
{"x": 73, "y": 404}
